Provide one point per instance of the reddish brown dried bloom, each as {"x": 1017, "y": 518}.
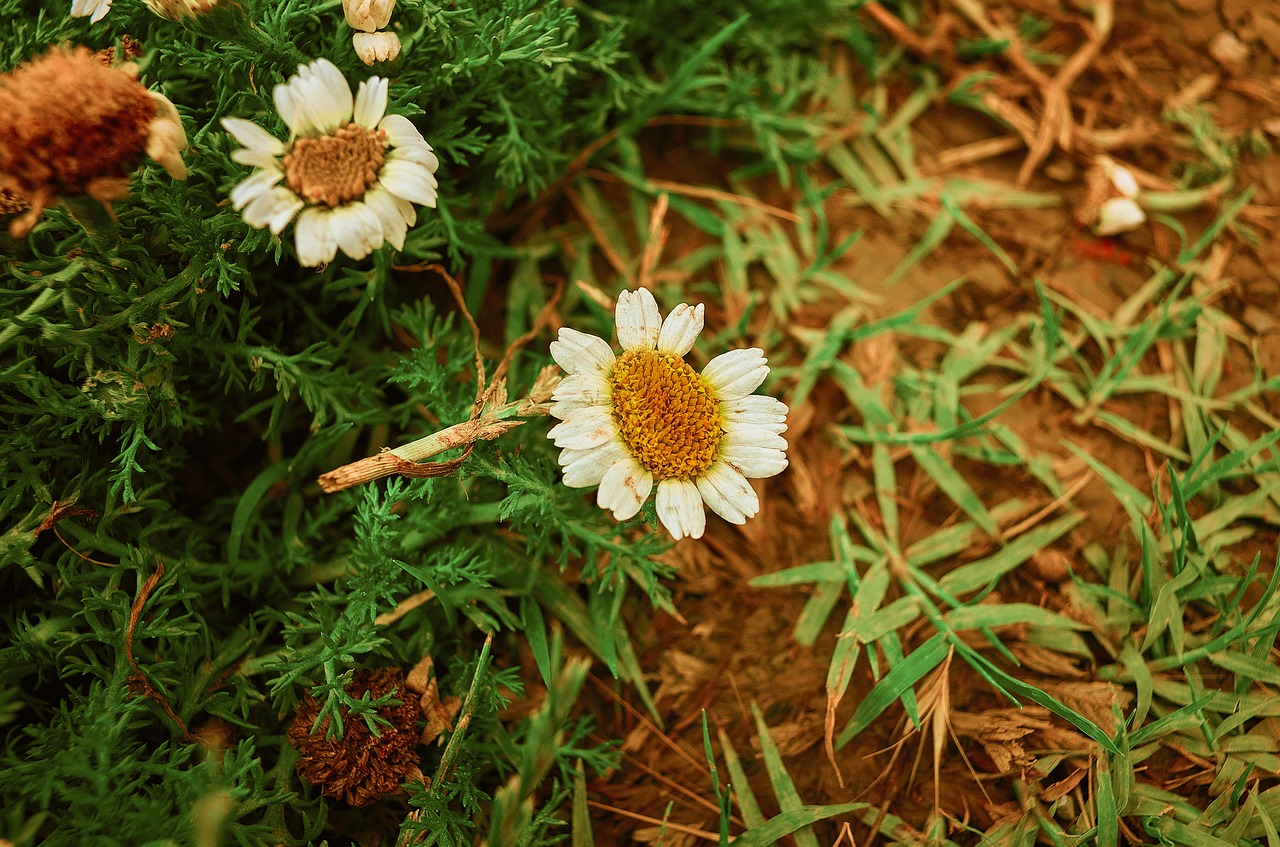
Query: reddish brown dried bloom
{"x": 360, "y": 768}
{"x": 72, "y": 126}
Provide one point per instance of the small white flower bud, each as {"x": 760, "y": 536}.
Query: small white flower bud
{"x": 1117, "y": 215}
{"x": 1121, "y": 177}
{"x": 368, "y": 15}
{"x": 376, "y": 46}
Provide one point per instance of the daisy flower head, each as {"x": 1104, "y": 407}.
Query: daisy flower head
{"x": 94, "y": 10}
{"x": 353, "y": 171}
{"x": 646, "y": 419}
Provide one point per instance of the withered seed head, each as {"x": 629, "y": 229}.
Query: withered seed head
{"x": 360, "y": 768}
{"x": 72, "y": 126}
{"x": 10, "y": 203}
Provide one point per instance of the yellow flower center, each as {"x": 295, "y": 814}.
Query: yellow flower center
{"x": 667, "y": 413}
{"x": 334, "y": 169}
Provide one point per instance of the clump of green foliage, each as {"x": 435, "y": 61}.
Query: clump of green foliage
{"x": 172, "y": 581}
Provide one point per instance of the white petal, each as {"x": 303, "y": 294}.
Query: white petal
{"x": 680, "y": 508}
{"x": 410, "y": 181}
{"x": 371, "y": 102}
{"x": 756, "y": 410}
{"x": 252, "y": 136}
{"x": 624, "y": 488}
{"x": 274, "y": 208}
{"x": 332, "y": 104}
{"x": 1117, "y": 215}
{"x": 585, "y": 468}
{"x": 728, "y": 493}
{"x": 589, "y": 428}
{"x": 393, "y": 223}
{"x": 249, "y": 188}
{"x": 407, "y": 211}
{"x": 737, "y": 373}
{"x": 757, "y": 406}
{"x": 681, "y": 329}
{"x": 357, "y": 229}
{"x": 750, "y": 436}
{"x": 755, "y": 462}
{"x": 577, "y": 352}
{"x": 589, "y": 387}
{"x": 1123, "y": 180}
{"x": 638, "y": 320}
{"x": 287, "y": 107}
{"x": 256, "y": 158}
{"x": 314, "y": 238}
{"x": 418, "y": 154}
{"x": 401, "y": 131}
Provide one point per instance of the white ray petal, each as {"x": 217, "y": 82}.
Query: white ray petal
{"x": 401, "y": 132}
{"x": 728, "y": 493}
{"x": 681, "y": 329}
{"x": 410, "y": 181}
{"x": 577, "y": 352}
{"x": 274, "y": 209}
{"x": 393, "y": 225}
{"x": 624, "y": 488}
{"x": 357, "y": 229}
{"x": 314, "y": 237}
{"x": 755, "y": 462}
{"x": 588, "y": 467}
{"x": 638, "y": 320}
{"x": 680, "y": 508}
{"x": 589, "y": 428}
{"x": 249, "y": 188}
{"x": 371, "y": 102}
{"x": 737, "y": 373}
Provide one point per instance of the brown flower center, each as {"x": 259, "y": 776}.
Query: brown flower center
{"x": 334, "y": 169}
{"x": 667, "y": 413}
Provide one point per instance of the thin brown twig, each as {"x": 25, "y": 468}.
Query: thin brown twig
{"x": 407, "y": 460}
{"x": 135, "y": 612}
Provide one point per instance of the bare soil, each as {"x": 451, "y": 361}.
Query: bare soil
{"x": 735, "y": 645}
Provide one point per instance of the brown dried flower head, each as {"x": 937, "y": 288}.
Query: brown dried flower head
{"x": 11, "y": 203}
{"x": 360, "y": 768}
{"x": 71, "y": 126}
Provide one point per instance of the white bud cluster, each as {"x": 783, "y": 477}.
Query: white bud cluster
{"x": 368, "y": 18}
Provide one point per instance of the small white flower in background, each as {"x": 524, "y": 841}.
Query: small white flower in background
{"x": 374, "y": 47}
{"x": 368, "y": 15}
{"x": 1119, "y": 214}
{"x": 94, "y": 10}
{"x": 1110, "y": 203}
{"x": 352, "y": 172}
{"x": 646, "y": 417}
{"x": 1122, "y": 213}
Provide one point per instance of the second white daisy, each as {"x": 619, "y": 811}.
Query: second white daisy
{"x": 646, "y": 418}
{"x": 352, "y": 170}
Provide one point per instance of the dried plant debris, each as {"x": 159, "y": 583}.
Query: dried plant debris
{"x": 361, "y": 765}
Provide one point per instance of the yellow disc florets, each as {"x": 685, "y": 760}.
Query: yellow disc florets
{"x": 334, "y": 169}
{"x": 667, "y": 414}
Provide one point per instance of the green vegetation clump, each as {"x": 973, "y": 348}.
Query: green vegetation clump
{"x": 173, "y": 581}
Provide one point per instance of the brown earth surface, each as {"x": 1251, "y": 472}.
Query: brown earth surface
{"x": 734, "y": 644}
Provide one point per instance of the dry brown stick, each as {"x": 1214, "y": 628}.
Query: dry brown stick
{"x": 491, "y": 415}
{"x": 1056, "y": 124}
{"x": 656, "y": 240}
{"x": 135, "y": 612}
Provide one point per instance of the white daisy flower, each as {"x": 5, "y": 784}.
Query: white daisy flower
{"x": 352, "y": 170}
{"x": 646, "y": 417}
{"x": 94, "y": 10}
